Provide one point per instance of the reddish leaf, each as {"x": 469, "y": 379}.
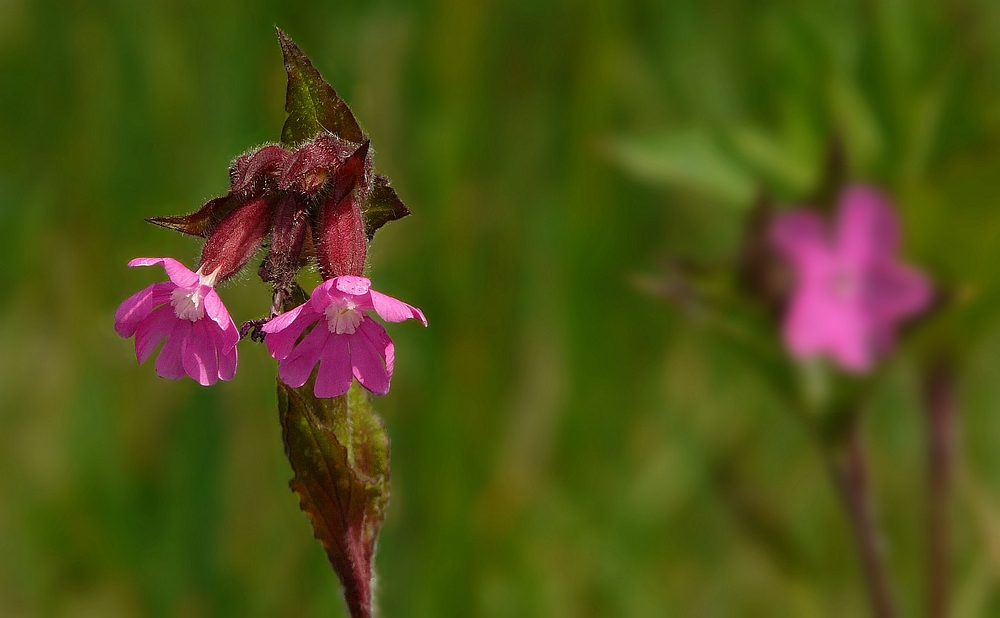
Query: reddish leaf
{"x": 339, "y": 452}
{"x": 200, "y": 223}
{"x": 312, "y": 104}
{"x": 383, "y": 206}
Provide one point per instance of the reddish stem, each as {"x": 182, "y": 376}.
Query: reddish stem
{"x": 941, "y": 419}
{"x": 850, "y": 475}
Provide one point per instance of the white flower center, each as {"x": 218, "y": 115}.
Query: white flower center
{"x": 343, "y": 317}
{"x": 188, "y": 304}
{"x": 843, "y": 285}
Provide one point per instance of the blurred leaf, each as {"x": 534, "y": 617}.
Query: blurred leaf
{"x": 339, "y": 451}
{"x": 857, "y": 123}
{"x": 785, "y": 164}
{"x": 985, "y": 514}
{"x": 928, "y": 113}
{"x": 312, "y": 104}
{"x": 383, "y": 206}
{"x": 974, "y": 590}
{"x": 691, "y": 160}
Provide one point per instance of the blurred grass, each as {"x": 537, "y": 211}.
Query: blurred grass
{"x": 562, "y": 444}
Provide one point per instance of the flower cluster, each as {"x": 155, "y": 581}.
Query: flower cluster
{"x": 317, "y": 204}
{"x": 308, "y": 200}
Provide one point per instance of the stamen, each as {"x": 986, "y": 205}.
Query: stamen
{"x": 188, "y": 304}
{"x": 342, "y": 317}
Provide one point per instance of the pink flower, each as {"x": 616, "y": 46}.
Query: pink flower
{"x": 346, "y": 342}
{"x": 204, "y": 349}
{"x": 851, "y": 290}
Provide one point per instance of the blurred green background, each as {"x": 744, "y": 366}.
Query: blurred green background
{"x": 563, "y": 444}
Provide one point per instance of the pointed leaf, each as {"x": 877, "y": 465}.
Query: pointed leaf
{"x": 383, "y": 206}
{"x": 202, "y": 222}
{"x": 339, "y": 452}
{"x": 312, "y": 104}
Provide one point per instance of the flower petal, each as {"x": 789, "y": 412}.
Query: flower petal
{"x": 392, "y": 310}
{"x": 380, "y": 339}
{"x": 229, "y": 337}
{"x": 218, "y": 312}
{"x": 282, "y": 320}
{"x": 798, "y": 233}
{"x": 280, "y": 341}
{"x": 867, "y": 226}
{"x": 894, "y": 291}
{"x": 855, "y": 354}
{"x": 138, "y": 306}
{"x": 334, "y": 376}
{"x": 816, "y": 324}
{"x": 152, "y": 330}
{"x": 177, "y": 272}
{"x": 199, "y": 354}
{"x": 323, "y": 294}
{"x": 368, "y": 356}
{"x": 227, "y": 361}
{"x": 355, "y": 286}
{"x": 295, "y": 369}
{"x": 169, "y": 363}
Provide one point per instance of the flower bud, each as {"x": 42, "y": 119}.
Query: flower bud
{"x": 251, "y": 171}
{"x": 288, "y": 234}
{"x": 308, "y": 168}
{"x": 236, "y": 238}
{"x": 341, "y": 244}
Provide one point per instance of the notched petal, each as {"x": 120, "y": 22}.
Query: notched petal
{"x": 139, "y": 306}
{"x": 393, "y": 310}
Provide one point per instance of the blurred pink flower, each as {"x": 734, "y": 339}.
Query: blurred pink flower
{"x": 176, "y": 309}
{"x": 346, "y": 343}
{"x": 851, "y": 290}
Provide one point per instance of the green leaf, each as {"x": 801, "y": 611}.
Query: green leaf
{"x": 858, "y": 123}
{"x": 339, "y": 452}
{"x": 312, "y": 104}
{"x": 793, "y": 168}
{"x": 691, "y": 160}
{"x": 383, "y": 206}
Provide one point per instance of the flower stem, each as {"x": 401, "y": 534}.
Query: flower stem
{"x": 849, "y": 470}
{"x": 941, "y": 413}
